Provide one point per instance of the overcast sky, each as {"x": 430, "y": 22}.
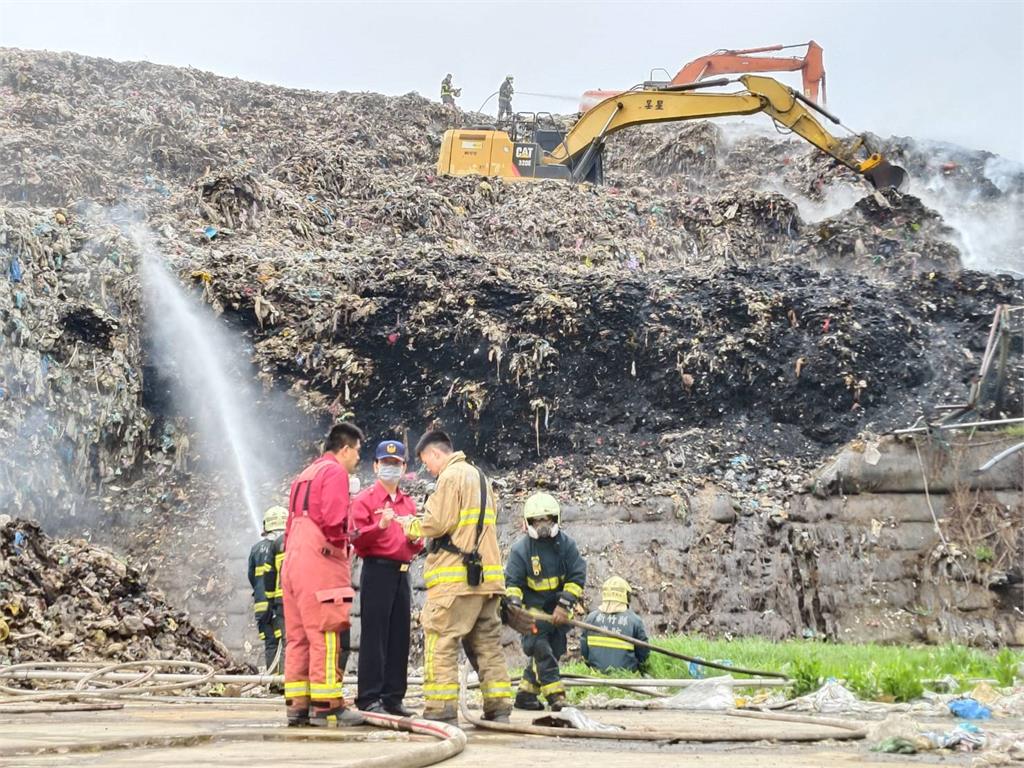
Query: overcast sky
{"x": 941, "y": 70}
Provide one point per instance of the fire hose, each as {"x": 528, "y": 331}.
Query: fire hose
{"x": 520, "y": 620}
{"x": 450, "y": 739}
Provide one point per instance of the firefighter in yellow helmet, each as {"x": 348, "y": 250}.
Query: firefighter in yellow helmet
{"x": 265, "y": 560}
{"x": 609, "y": 653}
{"x": 546, "y": 573}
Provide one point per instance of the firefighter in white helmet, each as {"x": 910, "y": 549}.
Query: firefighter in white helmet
{"x": 609, "y": 653}
{"x": 265, "y": 559}
{"x": 545, "y": 573}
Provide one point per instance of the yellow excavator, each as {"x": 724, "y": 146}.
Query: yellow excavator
{"x": 529, "y": 150}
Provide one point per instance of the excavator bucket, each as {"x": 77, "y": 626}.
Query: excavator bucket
{"x": 885, "y": 175}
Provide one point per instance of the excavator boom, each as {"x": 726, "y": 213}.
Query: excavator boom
{"x": 577, "y": 155}
{"x": 811, "y": 66}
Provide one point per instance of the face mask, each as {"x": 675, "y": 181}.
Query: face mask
{"x": 544, "y": 530}
{"x": 354, "y": 486}
{"x": 390, "y": 473}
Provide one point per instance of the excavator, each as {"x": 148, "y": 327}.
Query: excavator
{"x": 811, "y": 66}
{"x": 532, "y": 150}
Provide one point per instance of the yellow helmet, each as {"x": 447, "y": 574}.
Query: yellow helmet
{"x": 275, "y": 519}
{"x": 616, "y": 590}
{"x": 542, "y": 505}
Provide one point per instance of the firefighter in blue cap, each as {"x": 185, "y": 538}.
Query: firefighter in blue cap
{"x": 384, "y": 592}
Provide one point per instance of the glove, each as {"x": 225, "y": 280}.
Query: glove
{"x": 560, "y": 616}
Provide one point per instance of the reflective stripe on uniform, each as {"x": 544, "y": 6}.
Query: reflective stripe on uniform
{"x": 277, "y": 633}
{"x": 598, "y": 641}
{"x": 260, "y": 607}
{"x": 543, "y": 585}
{"x": 457, "y": 575}
{"x": 514, "y": 592}
{"x": 324, "y": 691}
{"x": 330, "y": 667}
{"x": 260, "y": 570}
{"x": 471, "y": 516}
{"x": 296, "y": 688}
{"x": 496, "y": 690}
{"x": 525, "y": 686}
{"x": 574, "y": 589}
{"x": 550, "y": 688}
{"x": 441, "y": 691}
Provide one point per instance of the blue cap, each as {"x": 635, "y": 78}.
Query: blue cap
{"x": 390, "y": 449}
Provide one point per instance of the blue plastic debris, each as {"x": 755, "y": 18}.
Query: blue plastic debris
{"x": 15, "y": 270}
{"x": 210, "y": 232}
{"x": 19, "y": 542}
{"x": 970, "y": 709}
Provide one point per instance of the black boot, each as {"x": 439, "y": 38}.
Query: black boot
{"x": 528, "y": 701}
{"x": 557, "y": 702}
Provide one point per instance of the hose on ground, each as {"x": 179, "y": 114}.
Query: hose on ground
{"x": 828, "y": 729}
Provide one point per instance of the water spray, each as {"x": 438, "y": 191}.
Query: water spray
{"x": 195, "y": 348}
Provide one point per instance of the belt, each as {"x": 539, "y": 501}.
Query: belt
{"x": 398, "y": 565}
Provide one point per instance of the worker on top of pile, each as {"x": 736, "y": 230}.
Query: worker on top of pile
{"x": 546, "y": 573}
{"x": 317, "y": 583}
{"x": 505, "y": 99}
{"x": 449, "y": 91}
{"x": 610, "y": 653}
{"x": 384, "y": 592}
{"x": 464, "y": 581}
{"x": 265, "y": 559}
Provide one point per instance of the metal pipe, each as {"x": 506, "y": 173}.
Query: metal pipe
{"x": 576, "y": 681}
{"x": 970, "y": 425}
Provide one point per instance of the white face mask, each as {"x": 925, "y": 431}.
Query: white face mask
{"x": 354, "y": 485}
{"x": 390, "y": 473}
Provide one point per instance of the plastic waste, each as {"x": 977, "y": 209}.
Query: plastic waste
{"x": 570, "y": 717}
{"x": 969, "y": 708}
{"x": 713, "y": 693}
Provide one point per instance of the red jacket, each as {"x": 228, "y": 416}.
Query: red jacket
{"x": 325, "y": 484}
{"x": 390, "y": 542}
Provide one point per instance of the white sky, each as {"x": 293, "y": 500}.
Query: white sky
{"x": 940, "y": 70}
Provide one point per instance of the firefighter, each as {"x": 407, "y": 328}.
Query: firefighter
{"x": 505, "y": 99}
{"x": 464, "y": 580}
{"x": 610, "y": 653}
{"x": 449, "y": 92}
{"x": 546, "y": 573}
{"x": 317, "y": 584}
{"x": 384, "y": 592}
{"x": 264, "y": 566}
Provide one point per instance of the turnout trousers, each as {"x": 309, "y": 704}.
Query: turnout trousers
{"x": 315, "y": 573}
{"x": 386, "y": 601}
{"x": 448, "y": 622}
{"x": 545, "y": 648}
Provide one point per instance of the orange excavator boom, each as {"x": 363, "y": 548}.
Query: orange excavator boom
{"x": 730, "y": 62}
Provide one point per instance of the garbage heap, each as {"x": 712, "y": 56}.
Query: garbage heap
{"x": 689, "y": 323}
{"x": 67, "y": 600}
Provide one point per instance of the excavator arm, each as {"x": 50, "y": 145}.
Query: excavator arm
{"x": 719, "y": 63}
{"x": 762, "y": 94}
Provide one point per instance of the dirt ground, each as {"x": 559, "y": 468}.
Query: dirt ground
{"x": 162, "y": 735}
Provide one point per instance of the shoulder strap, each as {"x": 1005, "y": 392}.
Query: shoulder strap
{"x": 483, "y": 509}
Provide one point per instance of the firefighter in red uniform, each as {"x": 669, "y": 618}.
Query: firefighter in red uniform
{"x": 384, "y": 592}
{"x": 317, "y": 583}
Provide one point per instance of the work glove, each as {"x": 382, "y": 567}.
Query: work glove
{"x": 514, "y": 615}
{"x": 560, "y": 616}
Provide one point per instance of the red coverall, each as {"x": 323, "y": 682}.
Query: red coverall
{"x": 317, "y": 582}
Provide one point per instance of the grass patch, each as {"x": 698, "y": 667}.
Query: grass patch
{"x": 894, "y": 673}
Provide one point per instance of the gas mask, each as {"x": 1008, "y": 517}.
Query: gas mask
{"x": 542, "y": 529}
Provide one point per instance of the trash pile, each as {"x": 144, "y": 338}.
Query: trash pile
{"x": 670, "y": 329}
{"x": 66, "y": 600}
